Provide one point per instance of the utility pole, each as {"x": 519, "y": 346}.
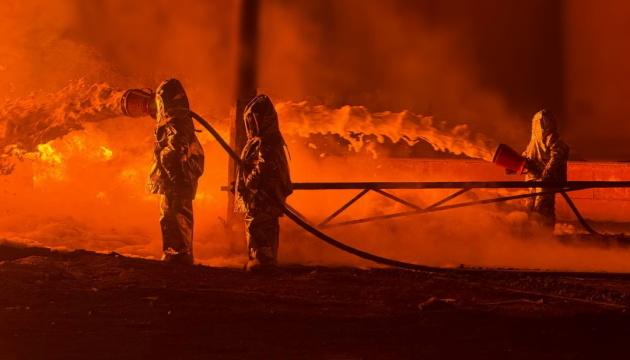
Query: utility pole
{"x": 246, "y": 85}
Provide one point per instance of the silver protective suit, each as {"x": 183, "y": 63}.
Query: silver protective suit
{"x": 178, "y": 164}
{"x": 548, "y": 157}
{"x": 263, "y": 182}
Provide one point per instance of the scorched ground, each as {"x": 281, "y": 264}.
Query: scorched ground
{"x": 100, "y": 306}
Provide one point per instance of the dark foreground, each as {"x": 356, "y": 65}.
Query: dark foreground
{"x": 81, "y": 305}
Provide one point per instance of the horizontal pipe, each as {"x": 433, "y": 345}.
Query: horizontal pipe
{"x": 455, "y": 185}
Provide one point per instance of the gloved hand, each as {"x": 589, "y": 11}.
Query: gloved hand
{"x": 532, "y": 167}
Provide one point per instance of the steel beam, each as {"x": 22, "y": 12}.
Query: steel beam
{"x": 457, "y": 185}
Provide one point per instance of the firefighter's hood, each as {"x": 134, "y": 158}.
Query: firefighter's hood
{"x": 260, "y": 117}
{"x": 171, "y": 97}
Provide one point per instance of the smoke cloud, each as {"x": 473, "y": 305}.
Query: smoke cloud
{"x": 339, "y": 67}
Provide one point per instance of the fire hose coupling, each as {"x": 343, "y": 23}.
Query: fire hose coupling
{"x": 138, "y": 102}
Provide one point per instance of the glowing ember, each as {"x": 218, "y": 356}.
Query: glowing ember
{"x": 107, "y": 153}
{"x": 48, "y": 154}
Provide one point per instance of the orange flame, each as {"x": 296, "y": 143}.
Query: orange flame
{"x": 303, "y": 119}
{"x": 27, "y": 123}
{"x": 86, "y": 188}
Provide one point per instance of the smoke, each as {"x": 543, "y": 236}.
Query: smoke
{"x": 370, "y": 68}
{"x": 384, "y": 56}
{"x": 597, "y": 78}
{"x": 499, "y": 235}
{"x": 86, "y": 186}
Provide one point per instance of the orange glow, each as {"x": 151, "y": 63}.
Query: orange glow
{"x": 88, "y": 190}
{"x": 75, "y": 169}
{"x": 303, "y": 119}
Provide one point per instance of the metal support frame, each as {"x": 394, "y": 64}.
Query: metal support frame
{"x": 448, "y": 198}
{"x": 417, "y": 185}
{"x": 360, "y": 195}
{"x": 343, "y": 208}
{"x": 298, "y": 219}
{"x": 462, "y": 186}
{"x": 397, "y": 199}
{"x": 435, "y": 207}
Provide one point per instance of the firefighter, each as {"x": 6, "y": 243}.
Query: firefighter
{"x": 547, "y": 161}
{"x": 263, "y": 182}
{"x": 178, "y": 164}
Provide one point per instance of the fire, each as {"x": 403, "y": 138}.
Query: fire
{"x": 90, "y": 161}
{"x": 26, "y": 123}
{"x": 89, "y": 165}
{"x": 354, "y": 122}
{"x": 106, "y": 153}
{"x": 48, "y": 154}
{"x": 48, "y": 164}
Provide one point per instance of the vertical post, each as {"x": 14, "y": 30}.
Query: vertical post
{"x": 246, "y": 84}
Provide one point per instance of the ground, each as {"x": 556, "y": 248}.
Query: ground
{"x": 83, "y": 305}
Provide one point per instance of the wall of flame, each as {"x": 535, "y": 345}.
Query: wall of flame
{"x": 457, "y": 74}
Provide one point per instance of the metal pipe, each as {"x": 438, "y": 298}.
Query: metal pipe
{"x": 576, "y": 185}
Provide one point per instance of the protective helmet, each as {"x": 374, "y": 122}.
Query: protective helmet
{"x": 260, "y": 117}
{"x": 170, "y": 97}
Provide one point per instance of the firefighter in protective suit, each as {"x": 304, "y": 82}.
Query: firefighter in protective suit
{"x": 178, "y": 164}
{"x": 547, "y": 161}
{"x": 263, "y": 182}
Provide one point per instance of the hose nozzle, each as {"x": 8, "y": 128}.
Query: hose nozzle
{"x": 138, "y": 102}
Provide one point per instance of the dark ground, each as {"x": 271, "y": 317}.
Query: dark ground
{"x": 81, "y": 305}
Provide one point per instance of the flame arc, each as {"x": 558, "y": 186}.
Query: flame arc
{"x": 28, "y": 123}
{"x": 304, "y": 119}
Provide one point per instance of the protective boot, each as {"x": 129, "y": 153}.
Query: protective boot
{"x": 176, "y": 222}
{"x": 263, "y": 232}
{"x": 178, "y": 258}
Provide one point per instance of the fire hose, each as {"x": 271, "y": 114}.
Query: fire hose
{"x": 297, "y": 219}
{"x": 139, "y": 102}
{"x": 294, "y": 216}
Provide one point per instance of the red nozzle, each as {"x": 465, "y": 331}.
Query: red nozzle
{"x": 508, "y": 158}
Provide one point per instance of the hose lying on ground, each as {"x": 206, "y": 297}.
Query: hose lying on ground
{"x": 297, "y": 219}
{"x": 304, "y": 225}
